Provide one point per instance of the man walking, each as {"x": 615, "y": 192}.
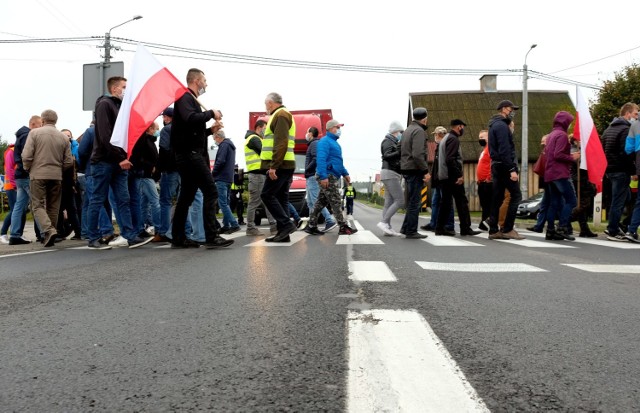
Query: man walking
{"x": 313, "y": 189}
{"x": 278, "y": 159}
{"x": 413, "y": 162}
{"x": 223, "y": 176}
{"x": 46, "y": 154}
{"x": 189, "y": 141}
{"x": 504, "y": 171}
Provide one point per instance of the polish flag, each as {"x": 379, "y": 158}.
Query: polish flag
{"x": 150, "y": 89}
{"x": 592, "y": 157}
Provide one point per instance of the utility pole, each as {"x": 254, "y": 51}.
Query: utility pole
{"x": 107, "y": 53}
{"x": 524, "y": 162}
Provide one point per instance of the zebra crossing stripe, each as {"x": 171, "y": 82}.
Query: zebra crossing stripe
{"x": 398, "y": 364}
{"x": 624, "y": 245}
{"x": 443, "y": 241}
{"x": 607, "y": 268}
{"x": 377, "y": 271}
{"x": 479, "y": 267}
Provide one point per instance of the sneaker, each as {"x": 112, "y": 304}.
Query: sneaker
{"x": 107, "y": 239}
{"x": 139, "y": 242}
{"x": 97, "y": 245}
{"x": 150, "y": 230}
{"x": 497, "y": 235}
{"x": 313, "y": 230}
{"x": 620, "y": 236}
{"x": 416, "y": 235}
{"x": 223, "y": 230}
{"x": 22, "y": 237}
{"x": 218, "y": 242}
{"x": 330, "y": 226}
{"x": 185, "y": 244}
{"x": 386, "y": 228}
{"x": 253, "y": 232}
{"x": 566, "y": 234}
{"x": 18, "y": 241}
{"x": 285, "y": 232}
{"x": 347, "y": 230}
{"x": 513, "y": 234}
{"x": 470, "y": 232}
{"x": 119, "y": 241}
{"x": 631, "y": 236}
{"x": 483, "y": 226}
{"x": 4, "y": 239}
{"x": 303, "y": 223}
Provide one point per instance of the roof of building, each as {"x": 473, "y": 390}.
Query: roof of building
{"x": 475, "y": 108}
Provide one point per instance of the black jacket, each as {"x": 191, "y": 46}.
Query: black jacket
{"x": 144, "y": 155}
{"x": 21, "y": 139}
{"x": 166, "y": 157}
{"x": 613, "y": 141}
{"x": 390, "y": 150}
{"x": 310, "y": 160}
{"x": 189, "y": 130}
{"x": 107, "y": 108}
{"x": 450, "y": 165}
{"x": 501, "y": 147}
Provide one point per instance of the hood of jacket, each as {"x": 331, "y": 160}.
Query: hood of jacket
{"x": 499, "y": 118}
{"x": 562, "y": 120}
{"x": 23, "y": 131}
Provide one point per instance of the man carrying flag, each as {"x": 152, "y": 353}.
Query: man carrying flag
{"x": 109, "y": 168}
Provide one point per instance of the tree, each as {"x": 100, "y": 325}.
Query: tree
{"x": 625, "y": 87}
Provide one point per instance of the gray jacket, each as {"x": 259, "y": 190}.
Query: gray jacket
{"x": 413, "y": 159}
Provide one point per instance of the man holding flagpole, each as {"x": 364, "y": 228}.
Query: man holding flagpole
{"x": 189, "y": 141}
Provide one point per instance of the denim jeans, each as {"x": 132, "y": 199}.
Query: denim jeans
{"x": 135, "y": 204}
{"x": 414, "y": 188}
{"x": 195, "y": 223}
{"x": 228, "y": 220}
{"x": 635, "y": 218}
{"x": 619, "y": 194}
{"x": 561, "y": 190}
{"x": 105, "y": 225}
{"x": 109, "y": 175}
{"x": 151, "y": 199}
{"x": 19, "y": 212}
{"x": 544, "y": 207}
{"x": 293, "y": 213}
{"x": 435, "y": 210}
{"x": 169, "y": 185}
{"x": 313, "y": 190}
{"x": 11, "y": 197}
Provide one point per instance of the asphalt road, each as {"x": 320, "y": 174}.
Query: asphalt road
{"x": 261, "y": 328}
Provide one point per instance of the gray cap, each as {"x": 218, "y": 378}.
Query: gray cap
{"x": 419, "y": 113}
{"x": 333, "y": 123}
{"x": 395, "y": 127}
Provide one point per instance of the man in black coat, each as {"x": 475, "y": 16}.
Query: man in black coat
{"x": 189, "y": 134}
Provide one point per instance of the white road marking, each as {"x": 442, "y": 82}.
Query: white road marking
{"x": 624, "y": 245}
{"x": 360, "y": 237}
{"x": 371, "y": 271}
{"x": 479, "y": 267}
{"x": 537, "y": 244}
{"x": 25, "y": 253}
{"x": 607, "y": 268}
{"x": 443, "y": 241}
{"x": 295, "y": 237}
{"x": 398, "y": 364}
{"x": 359, "y": 227}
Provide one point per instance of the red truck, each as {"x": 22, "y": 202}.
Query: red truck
{"x": 304, "y": 120}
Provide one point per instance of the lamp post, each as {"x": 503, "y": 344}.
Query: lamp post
{"x": 524, "y": 170}
{"x": 107, "y": 52}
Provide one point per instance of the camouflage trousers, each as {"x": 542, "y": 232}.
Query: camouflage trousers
{"x": 329, "y": 196}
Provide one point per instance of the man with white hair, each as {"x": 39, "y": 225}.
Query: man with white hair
{"x": 46, "y": 153}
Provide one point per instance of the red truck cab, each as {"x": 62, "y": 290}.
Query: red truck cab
{"x": 304, "y": 119}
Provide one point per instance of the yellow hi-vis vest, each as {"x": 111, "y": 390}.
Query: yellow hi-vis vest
{"x": 267, "y": 142}
{"x": 349, "y": 193}
{"x": 251, "y": 157}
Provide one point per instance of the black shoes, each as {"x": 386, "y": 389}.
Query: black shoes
{"x": 285, "y": 239}
{"x": 218, "y": 242}
{"x": 107, "y": 239}
{"x": 347, "y": 230}
{"x": 427, "y": 227}
{"x": 416, "y": 235}
{"x": 313, "y": 231}
{"x": 470, "y": 232}
{"x": 229, "y": 230}
{"x": 445, "y": 232}
{"x": 18, "y": 241}
{"x": 139, "y": 242}
{"x": 284, "y": 233}
{"x": 185, "y": 244}
{"x": 553, "y": 235}
{"x": 534, "y": 229}
{"x": 96, "y": 245}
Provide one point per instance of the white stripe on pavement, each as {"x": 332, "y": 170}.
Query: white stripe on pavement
{"x": 357, "y": 225}
{"x": 360, "y": 237}
{"x": 25, "y": 253}
{"x": 537, "y": 244}
{"x": 479, "y": 267}
{"x": 444, "y": 241}
{"x": 370, "y": 271}
{"x": 624, "y": 245}
{"x": 398, "y": 364}
{"x": 607, "y": 268}
{"x": 295, "y": 237}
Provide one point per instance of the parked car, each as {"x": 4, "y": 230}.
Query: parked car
{"x": 529, "y": 208}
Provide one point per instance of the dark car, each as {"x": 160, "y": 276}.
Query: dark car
{"x": 529, "y": 208}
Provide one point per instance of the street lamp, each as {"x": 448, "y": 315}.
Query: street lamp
{"x": 107, "y": 39}
{"x": 524, "y": 172}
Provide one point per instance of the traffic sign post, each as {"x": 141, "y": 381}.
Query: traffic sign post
{"x": 94, "y": 81}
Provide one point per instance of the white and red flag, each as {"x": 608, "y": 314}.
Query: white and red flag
{"x": 592, "y": 157}
{"x": 151, "y": 88}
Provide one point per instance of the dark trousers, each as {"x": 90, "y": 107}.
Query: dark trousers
{"x": 501, "y": 178}
{"x": 414, "y": 186}
{"x": 485, "y": 193}
{"x": 450, "y": 192}
{"x": 275, "y": 196}
{"x": 195, "y": 174}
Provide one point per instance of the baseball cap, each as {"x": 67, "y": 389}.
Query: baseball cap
{"x": 457, "y": 122}
{"x": 507, "y": 104}
{"x": 440, "y": 130}
{"x": 333, "y": 123}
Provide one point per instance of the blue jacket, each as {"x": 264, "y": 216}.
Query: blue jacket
{"x": 501, "y": 147}
{"x": 21, "y": 139}
{"x": 329, "y": 158}
{"x": 223, "y": 167}
{"x": 85, "y": 148}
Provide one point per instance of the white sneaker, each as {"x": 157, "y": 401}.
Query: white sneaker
{"x": 4, "y": 239}
{"x": 395, "y": 233}
{"x": 25, "y": 238}
{"x": 150, "y": 230}
{"x": 386, "y": 228}
{"x": 120, "y": 241}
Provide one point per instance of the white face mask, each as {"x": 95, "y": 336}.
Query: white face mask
{"x": 201, "y": 90}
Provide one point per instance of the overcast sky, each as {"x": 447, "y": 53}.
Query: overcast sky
{"x": 418, "y": 34}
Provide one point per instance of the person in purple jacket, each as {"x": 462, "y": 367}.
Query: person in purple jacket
{"x": 557, "y": 175}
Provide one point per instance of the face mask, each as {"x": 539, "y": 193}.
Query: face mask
{"x": 339, "y": 132}
{"x": 461, "y": 132}
{"x": 511, "y": 114}
{"x": 201, "y": 91}
{"x": 308, "y": 137}
{"x": 482, "y": 142}
{"x": 156, "y": 134}
{"x": 399, "y": 137}
{"x": 632, "y": 120}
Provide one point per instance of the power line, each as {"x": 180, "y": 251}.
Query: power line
{"x": 594, "y": 61}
